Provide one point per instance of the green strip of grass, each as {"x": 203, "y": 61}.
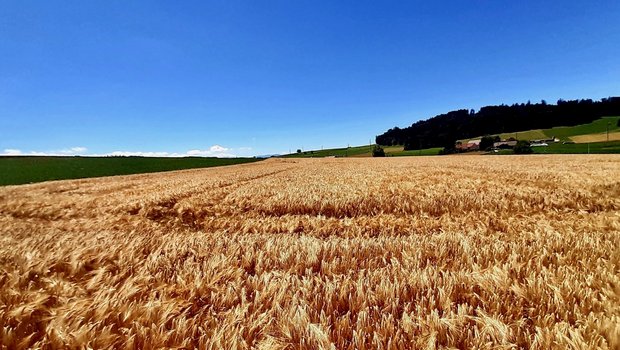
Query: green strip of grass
{"x": 579, "y": 148}
{"x": 573, "y": 148}
{"x": 335, "y": 152}
{"x": 423, "y": 152}
{"x": 21, "y": 170}
{"x": 597, "y": 126}
{"x": 564, "y": 132}
{"x": 364, "y": 151}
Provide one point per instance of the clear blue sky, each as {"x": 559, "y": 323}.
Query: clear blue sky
{"x": 259, "y": 77}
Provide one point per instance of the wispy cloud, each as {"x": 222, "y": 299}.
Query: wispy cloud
{"x": 213, "y": 151}
{"x": 62, "y": 152}
{"x": 12, "y": 152}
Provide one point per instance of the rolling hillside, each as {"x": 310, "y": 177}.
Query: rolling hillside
{"x": 364, "y": 151}
{"x": 445, "y": 129}
{"x": 569, "y": 133}
{"x": 594, "y": 132}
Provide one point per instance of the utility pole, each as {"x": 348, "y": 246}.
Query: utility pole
{"x": 608, "y": 123}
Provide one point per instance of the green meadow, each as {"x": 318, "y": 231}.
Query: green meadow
{"x": 15, "y": 170}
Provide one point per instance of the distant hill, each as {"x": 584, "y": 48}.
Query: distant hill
{"x": 591, "y": 132}
{"x": 444, "y": 129}
{"x": 333, "y": 152}
{"x": 570, "y": 139}
{"x": 362, "y": 151}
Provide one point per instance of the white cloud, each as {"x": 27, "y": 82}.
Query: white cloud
{"x": 69, "y": 151}
{"x": 210, "y": 153}
{"x": 195, "y": 152}
{"x": 11, "y": 152}
{"x": 139, "y": 154}
{"x": 63, "y": 152}
{"x": 213, "y": 151}
{"x": 218, "y": 148}
{"x": 217, "y": 152}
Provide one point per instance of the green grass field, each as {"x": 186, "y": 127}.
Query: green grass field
{"x": 364, "y": 151}
{"x": 21, "y": 170}
{"x": 564, "y": 132}
{"x": 574, "y": 148}
{"x": 423, "y": 152}
{"x": 579, "y": 148}
{"x": 336, "y": 152}
{"x": 596, "y": 127}
{"x": 525, "y": 135}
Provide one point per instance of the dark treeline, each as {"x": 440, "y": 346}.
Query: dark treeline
{"x": 444, "y": 129}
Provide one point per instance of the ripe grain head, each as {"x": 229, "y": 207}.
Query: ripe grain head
{"x": 453, "y": 252}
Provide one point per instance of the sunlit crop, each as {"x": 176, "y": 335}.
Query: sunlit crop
{"x": 461, "y": 252}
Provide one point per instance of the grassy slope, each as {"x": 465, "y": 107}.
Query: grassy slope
{"x": 525, "y": 135}
{"x": 601, "y": 137}
{"x": 596, "y": 127}
{"x": 339, "y": 152}
{"x": 564, "y": 132}
{"x": 21, "y": 170}
{"x": 575, "y": 148}
{"x": 364, "y": 151}
{"x": 580, "y": 148}
{"x": 424, "y": 152}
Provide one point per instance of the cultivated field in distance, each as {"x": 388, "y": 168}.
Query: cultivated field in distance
{"x": 18, "y": 170}
{"x": 394, "y": 253}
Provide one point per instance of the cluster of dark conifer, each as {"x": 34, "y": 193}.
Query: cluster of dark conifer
{"x": 443, "y": 130}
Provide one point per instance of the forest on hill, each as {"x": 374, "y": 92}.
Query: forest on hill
{"x": 443, "y": 130}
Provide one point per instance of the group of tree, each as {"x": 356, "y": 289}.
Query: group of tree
{"x": 378, "y": 151}
{"x": 443, "y": 130}
{"x": 522, "y": 147}
{"x": 487, "y": 142}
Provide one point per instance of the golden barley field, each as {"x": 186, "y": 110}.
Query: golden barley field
{"x": 485, "y": 252}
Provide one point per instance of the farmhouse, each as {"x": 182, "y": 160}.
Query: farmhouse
{"x": 504, "y": 144}
{"x": 471, "y": 145}
{"x": 549, "y": 140}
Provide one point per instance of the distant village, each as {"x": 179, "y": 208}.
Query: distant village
{"x": 510, "y": 143}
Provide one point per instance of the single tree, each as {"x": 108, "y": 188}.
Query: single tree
{"x": 522, "y": 147}
{"x": 449, "y": 145}
{"x": 378, "y": 151}
{"x": 487, "y": 142}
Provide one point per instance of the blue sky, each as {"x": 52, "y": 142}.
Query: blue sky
{"x": 260, "y": 77}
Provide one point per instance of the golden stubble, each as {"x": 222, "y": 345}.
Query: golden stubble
{"x": 422, "y": 253}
